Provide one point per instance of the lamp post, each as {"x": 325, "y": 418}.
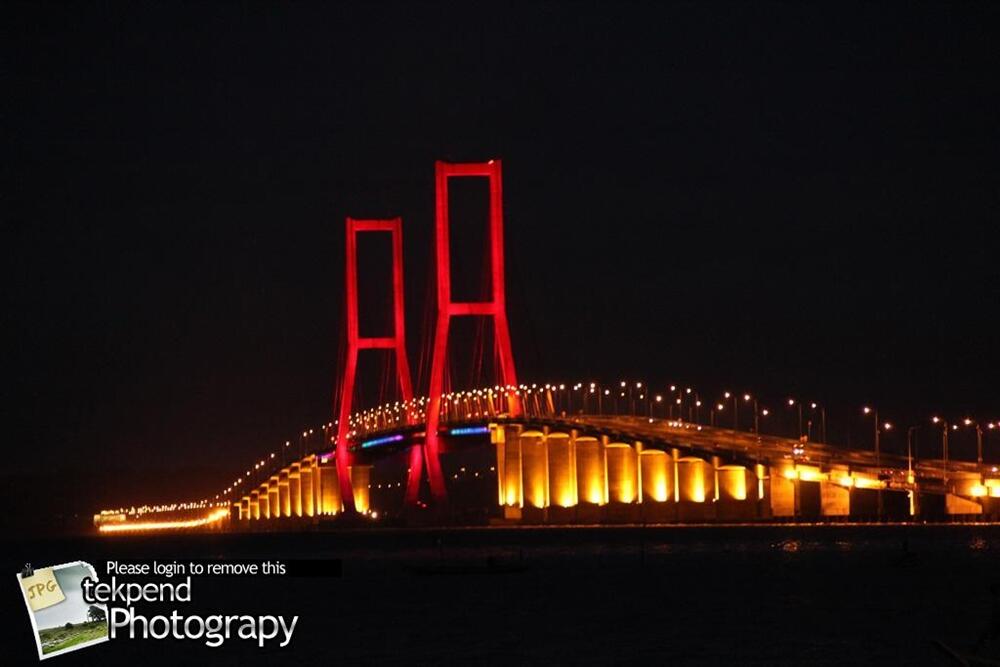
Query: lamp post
{"x": 822, "y": 417}
{"x": 793, "y": 403}
{"x": 944, "y": 448}
{"x": 719, "y": 407}
{"x": 979, "y": 440}
{"x": 878, "y": 452}
{"x": 909, "y": 452}
{"x": 747, "y": 398}
{"x": 736, "y": 411}
{"x": 756, "y": 425}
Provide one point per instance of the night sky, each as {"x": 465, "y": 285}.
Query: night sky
{"x": 791, "y": 200}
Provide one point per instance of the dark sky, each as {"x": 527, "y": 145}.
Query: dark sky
{"x": 783, "y": 198}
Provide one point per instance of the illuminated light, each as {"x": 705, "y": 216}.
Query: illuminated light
{"x": 765, "y": 412}
{"x": 790, "y": 473}
{"x": 887, "y": 426}
{"x": 746, "y": 397}
{"x": 935, "y": 419}
{"x": 589, "y": 471}
{"x": 673, "y": 387}
{"x": 720, "y": 406}
{"x": 688, "y": 390}
{"x": 867, "y": 483}
{"x": 812, "y": 405}
{"x": 694, "y": 479}
{"x": 697, "y": 404}
{"x": 382, "y": 441}
{"x": 657, "y": 484}
{"x": 791, "y": 401}
{"x": 726, "y": 395}
{"x": 469, "y": 430}
{"x": 622, "y": 472}
{"x": 212, "y": 517}
{"x": 678, "y": 401}
{"x": 732, "y": 482}
{"x": 562, "y": 473}
{"x": 809, "y": 474}
{"x": 967, "y": 421}
{"x": 533, "y": 469}
{"x": 623, "y": 384}
{"x": 978, "y": 491}
{"x": 659, "y": 399}
{"x": 866, "y": 410}
{"x": 846, "y": 481}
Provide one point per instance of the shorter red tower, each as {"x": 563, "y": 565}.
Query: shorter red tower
{"x": 356, "y": 343}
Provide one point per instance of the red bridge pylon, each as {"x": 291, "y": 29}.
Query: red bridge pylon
{"x": 356, "y": 343}
{"x": 495, "y": 308}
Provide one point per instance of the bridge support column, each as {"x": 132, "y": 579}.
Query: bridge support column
{"x": 657, "y": 473}
{"x": 273, "y": 498}
{"x": 782, "y": 491}
{"x": 954, "y": 504}
{"x": 295, "y": 489}
{"x": 623, "y": 482}
{"x": 736, "y": 492}
{"x": 561, "y": 477}
{"x": 330, "y": 502}
{"x": 255, "y": 505}
{"x": 264, "y": 501}
{"x": 696, "y": 484}
{"x": 834, "y": 499}
{"x": 306, "y": 488}
{"x": 513, "y": 486}
{"x": 590, "y": 479}
{"x": 763, "y": 499}
{"x": 361, "y": 487}
{"x": 284, "y": 500}
{"x": 534, "y": 475}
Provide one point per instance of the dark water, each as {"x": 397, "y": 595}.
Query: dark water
{"x": 678, "y": 595}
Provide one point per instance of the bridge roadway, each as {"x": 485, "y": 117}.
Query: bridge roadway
{"x": 749, "y": 448}
{"x": 738, "y": 447}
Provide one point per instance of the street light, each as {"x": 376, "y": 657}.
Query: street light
{"x": 878, "y": 451}
{"x": 944, "y": 447}
{"x": 736, "y": 410}
{"x": 909, "y": 453}
{"x": 822, "y": 415}
{"x": 747, "y": 398}
{"x": 719, "y": 407}
{"x": 979, "y": 439}
{"x": 792, "y": 403}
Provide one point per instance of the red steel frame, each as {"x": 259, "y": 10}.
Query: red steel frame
{"x": 356, "y": 343}
{"x": 496, "y": 308}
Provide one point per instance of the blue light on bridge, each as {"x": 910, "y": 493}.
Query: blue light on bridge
{"x": 381, "y": 441}
{"x": 469, "y": 430}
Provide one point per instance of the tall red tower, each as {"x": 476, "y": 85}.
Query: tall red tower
{"x": 355, "y": 342}
{"x": 495, "y": 308}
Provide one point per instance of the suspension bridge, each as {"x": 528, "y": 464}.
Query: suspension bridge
{"x": 513, "y": 453}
